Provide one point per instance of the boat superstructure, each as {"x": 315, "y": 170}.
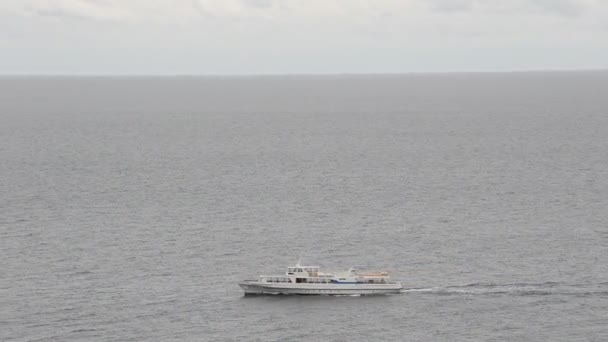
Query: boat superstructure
{"x": 309, "y": 280}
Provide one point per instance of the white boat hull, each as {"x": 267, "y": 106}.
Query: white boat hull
{"x": 262, "y": 288}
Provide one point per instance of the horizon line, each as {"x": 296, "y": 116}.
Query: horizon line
{"x": 298, "y": 74}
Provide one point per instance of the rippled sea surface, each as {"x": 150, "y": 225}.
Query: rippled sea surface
{"x": 131, "y": 207}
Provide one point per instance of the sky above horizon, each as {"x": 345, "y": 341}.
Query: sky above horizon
{"x": 165, "y": 37}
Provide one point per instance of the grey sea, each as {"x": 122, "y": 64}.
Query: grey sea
{"x": 130, "y": 208}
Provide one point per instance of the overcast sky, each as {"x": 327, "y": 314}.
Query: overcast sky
{"x": 300, "y": 36}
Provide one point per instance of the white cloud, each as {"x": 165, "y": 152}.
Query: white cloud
{"x": 151, "y": 10}
{"x": 300, "y": 35}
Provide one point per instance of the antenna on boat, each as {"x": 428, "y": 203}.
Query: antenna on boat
{"x": 299, "y": 261}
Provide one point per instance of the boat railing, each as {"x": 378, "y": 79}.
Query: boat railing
{"x": 373, "y": 274}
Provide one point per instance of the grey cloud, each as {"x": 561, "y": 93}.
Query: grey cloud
{"x": 259, "y": 3}
{"x": 452, "y": 5}
{"x": 569, "y": 8}
{"x": 56, "y": 12}
{"x": 95, "y": 10}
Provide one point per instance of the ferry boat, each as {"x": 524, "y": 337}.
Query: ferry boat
{"x": 309, "y": 280}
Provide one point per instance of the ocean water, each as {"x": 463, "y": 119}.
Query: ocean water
{"x": 130, "y": 208}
